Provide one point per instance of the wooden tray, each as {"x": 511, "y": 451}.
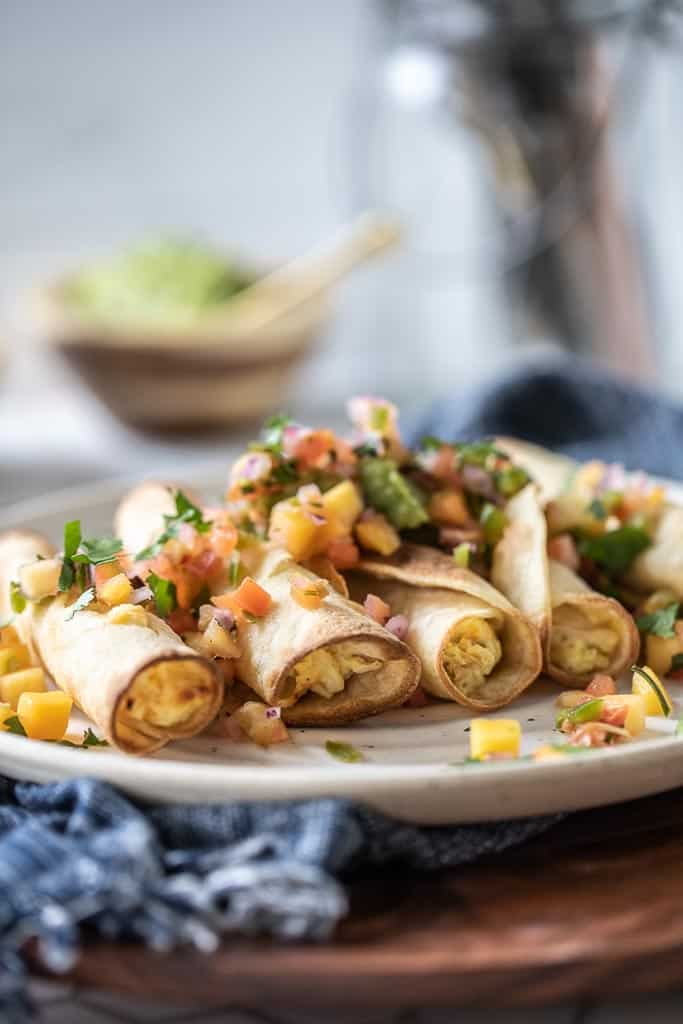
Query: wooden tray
{"x": 590, "y": 910}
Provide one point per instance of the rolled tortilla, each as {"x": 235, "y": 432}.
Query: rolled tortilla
{"x": 660, "y": 566}
{"x": 140, "y": 684}
{"x": 590, "y": 633}
{"x": 474, "y": 646}
{"x": 324, "y": 667}
{"x": 519, "y": 567}
{"x": 582, "y": 632}
{"x": 329, "y": 666}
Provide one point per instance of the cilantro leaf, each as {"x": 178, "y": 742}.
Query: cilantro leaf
{"x": 676, "y": 663}
{"x": 16, "y": 598}
{"x": 271, "y": 435}
{"x": 616, "y": 549}
{"x": 431, "y": 443}
{"x": 597, "y": 509}
{"x": 185, "y": 512}
{"x": 82, "y": 601}
{"x": 14, "y": 725}
{"x": 164, "y": 592}
{"x": 72, "y": 538}
{"x": 659, "y": 623}
{"x": 235, "y": 569}
{"x": 343, "y": 752}
{"x": 91, "y": 740}
{"x": 388, "y": 491}
{"x": 100, "y": 550}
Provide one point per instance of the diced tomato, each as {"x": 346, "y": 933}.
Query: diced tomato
{"x": 313, "y": 448}
{"x": 205, "y": 565}
{"x": 377, "y": 609}
{"x": 187, "y": 587}
{"x": 417, "y": 699}
{"x": 343, "y": 553}
{"x": 601, "y": 685}
{"x": 614, "y": 715}
{"x": 252, "y": 598}
{"x": 563, "y": 549}
{"x": 181, "y": 621}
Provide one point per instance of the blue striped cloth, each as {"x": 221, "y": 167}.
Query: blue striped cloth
{"x": 79, "y": 856}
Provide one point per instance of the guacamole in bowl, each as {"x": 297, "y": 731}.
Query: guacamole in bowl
{"x": 162, "y": 283}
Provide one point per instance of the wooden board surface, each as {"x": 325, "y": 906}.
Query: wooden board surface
{"x": 589, "y": 910}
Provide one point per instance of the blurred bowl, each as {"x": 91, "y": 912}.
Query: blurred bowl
{"x": 206, "y": 375}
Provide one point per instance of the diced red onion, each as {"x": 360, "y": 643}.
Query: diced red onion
{"x": 272, "y": 712}
{"x": 255, "y": 466}
{"x": 398, "y": 625}
{"x": 317, "y": 520}
{"x": 224, "y": 618}
{"x": 613, "y": 478}
{"x": 291, "y": 436}
{"x": 309, "y": 492}
{"x": 140, "y": 595}
{"x": 478, "y": 480}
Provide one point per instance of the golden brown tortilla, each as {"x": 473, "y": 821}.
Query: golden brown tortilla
{"x": 440, "y": 601}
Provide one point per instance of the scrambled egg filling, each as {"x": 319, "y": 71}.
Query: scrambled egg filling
{"x": 326, "y": 670}
{"x": 581, "y": 651}
{"x": 168, "y": 694}
{"x": 471, "y": 653}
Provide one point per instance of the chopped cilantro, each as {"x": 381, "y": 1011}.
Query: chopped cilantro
{"x": 367, "y": 448}
{"x": 616, "y": 549}
{"x": 271, "y": 435}
{"x": 511, "y": 480}
{"x": 84, "y": 599}
{"x": 247, "y": 488}
{"x": 235, "y": 568}
{"x": 185, "y": 512}
{"x": 388, "y": 491}
{"x": 477, "y": 453}
{"x": 493, "y": 521}
{"x": 284, "y": 473}
{"x": 16, "y": 598}
{"x": 461, "y": 555}
{"x": 164, "y": 592}
{"x": 660, "y": 623}
{"x": 343, "y": 752}
{"x": 676, "y": 663}
{"x": 14, "y": 725}
{"x": 91, "y": 740}
{"x": 431, "y": 443}
{"x": 99, "y": 550}
{"x": 597, "y": 509}
{"x": 72, "y": 538}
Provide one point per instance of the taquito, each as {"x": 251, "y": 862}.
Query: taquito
{"x": 474, "y": 646}
{"x": 582, "y": 632}
{"x": 327, "y": 666}
{"x": 590, "y": 633}
{"x": 125, "y": 668}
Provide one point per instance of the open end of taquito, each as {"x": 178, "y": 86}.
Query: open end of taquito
{"x": 474, "y": 646}
{"x": 328, "y": 666}
{"x": 124, "y": 667}
{"x": 590, "y": 633}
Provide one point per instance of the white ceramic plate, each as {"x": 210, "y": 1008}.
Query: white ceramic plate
{"x": 413, "y": 758}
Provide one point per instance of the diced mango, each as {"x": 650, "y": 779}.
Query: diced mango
{"x": 659, "y": 650}
{"x": 449, "y": 508}
{"x": 635, "y": 716}
{"x": 28, "y": 680}
{"x": 45, "y": 716}
{"x": 219, "y": 642}
{"x": 13, "y": 658}
{"x": 647, "y": 684}
{"x": 293, "y": 526}
{"x": 41, "y": 578}
{"x": 9, "y": 636}
{"x": 6, "y": 711}
{"x": 261, "y": 724}
{"x": 103, "y": 573}
{"x": 377, "y": 534}
{"x": 344, "y": 504}
{"x": 115, "y": 591}
{"x": 128, "y": 615}
{"x": 494, "y": 736}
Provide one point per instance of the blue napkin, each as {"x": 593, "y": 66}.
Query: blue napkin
{"x": 80, "y": 854}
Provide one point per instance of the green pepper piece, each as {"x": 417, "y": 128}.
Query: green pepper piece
{"x": 493, "y": 521}
{"x": 589, "y": 711}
